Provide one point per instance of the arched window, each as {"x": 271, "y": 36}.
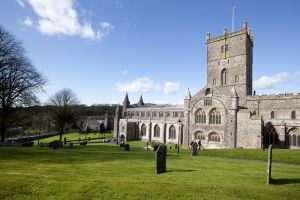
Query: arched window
{"x": 214, "y": 137}
{"x": 224, "y": 77}
{"x": 208, "y": 92}
{"x": 215, "y": 116}
{"x": 270, "y": 135}
{"x": 294, "y": 137}
{"x": 156, "y": 131}
{"x": 293, "y": 115}
{"x": 236, "y": 78}
{"x": 272, "y": 115}
{"x": 172, "y": 132}
{"x": 143, "y": 130}
{"x": 199, "y": 135}
{"x": 200, "y": 117}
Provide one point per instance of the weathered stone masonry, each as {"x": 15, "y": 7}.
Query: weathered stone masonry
{"x": 223, "y": 114}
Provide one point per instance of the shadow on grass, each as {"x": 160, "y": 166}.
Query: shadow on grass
{"x": 75, "y": 155}
{"x": 180, "y": 170}
{"x": 284, "y": 181}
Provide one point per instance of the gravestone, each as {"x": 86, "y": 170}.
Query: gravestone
{"x": 127, "y": 147}
{"x": 175, "y": 146}
{"x": 71, "y": 144}
{"x": 269, "y": 167}
{"x": 65, "y": 140}
{"x": 161, "y": 159}
{"x": 194, "y": 149}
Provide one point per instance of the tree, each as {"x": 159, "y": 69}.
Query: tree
{"x": 63, "y": 113}
{"x": 19, "y": 80}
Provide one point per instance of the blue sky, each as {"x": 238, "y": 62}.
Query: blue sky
{"x": 102, "y": 48}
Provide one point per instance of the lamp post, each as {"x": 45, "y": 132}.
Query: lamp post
{"x": 179, "y": 133}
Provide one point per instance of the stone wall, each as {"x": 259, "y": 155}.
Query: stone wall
{"x": 249, "y": 131}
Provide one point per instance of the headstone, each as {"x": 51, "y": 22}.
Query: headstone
{"x": 199, "y": 144}
{"x": 269, "y": 167}
{"x": 71, "y": 144}
{"x": 122, "y": 144}
{"x": 65, "y": 140}
{"x": 155, "y": 147}
{"x": 194, "y": 149}
{"x": 175, "y": 146}
{"x": 127, "y": 147}
{"x": 161, "y": 159}
{"x": 55, "y": 144}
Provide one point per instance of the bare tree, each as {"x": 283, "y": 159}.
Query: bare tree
{"x": 19, "y": 80}
{"x": 63, "y": 113}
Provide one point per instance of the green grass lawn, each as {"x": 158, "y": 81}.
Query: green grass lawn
{"x": 76, "y": 136}
{"x": 108, "y": 172}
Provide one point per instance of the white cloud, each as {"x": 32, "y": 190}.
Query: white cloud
{"x": 59, "y": 17}
{"x": 124, "y": 72}
{"x": 266, "y": 82}
{"x": 21, "y": 3}
{"x": 171, "y": 87}
{"x": 27, "y": 21}
{"x": 143, "y": 84}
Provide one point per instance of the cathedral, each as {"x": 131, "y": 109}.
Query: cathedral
{"x": 225, "y": 113}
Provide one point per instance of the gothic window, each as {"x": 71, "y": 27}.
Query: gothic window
{"x": 224, "y": 77}
{"x": 143, "y": 130}
{"x": 154, "y": 114}
{"x": 137, "y": 114}
{"x": 294, "y": 137}
{"x": 172, "y": 132}
{"x": 214, "y": 116}
{"x": 254, "y": 112}
{"x": 148, "y": 114}
{"x": 208, "y": 92}
{"x": 199, "y": 135}
{"x": 270, "y": 135}
{"x": 161, "y": 114}
{"x": 214, "y": 81}
{"x": 236, "y": 78}
{"x": 226, "y": 49}
{"x": 293, "y": 115}
{"x": 132, "y": 114}
{"x": 168, "y": 114}
{"x": 200, "y": 117}
{"x": 175, "y": 114}
{"x": 142, "y": 114}
{"x": 214, "y": 137}
{"x": 181, "y": 114}
{"x": 272, "y": 115}
{"x": 156, "y": 131}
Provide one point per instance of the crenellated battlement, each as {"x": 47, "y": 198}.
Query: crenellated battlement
{"x": 274, "y": 96}
{"x": 226, "y": 34}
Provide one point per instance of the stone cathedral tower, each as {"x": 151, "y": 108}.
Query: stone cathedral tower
{"x": 229, "y": 62}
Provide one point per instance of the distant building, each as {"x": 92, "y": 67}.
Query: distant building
{"x": 223, "y": 114}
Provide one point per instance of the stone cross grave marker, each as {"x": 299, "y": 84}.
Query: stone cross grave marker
{"x": 194, "y": 149}
{"x": 269, "y": 167}
{"x": 161, "y": 159}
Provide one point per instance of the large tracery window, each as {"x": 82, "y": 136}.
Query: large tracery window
{"x": 294, "y": 137}
{"x": 156, "y": 131}
{"x": 143, "y": 130}
{"x": 215, "y": 116}
{"x": 172, "y": 132}
{"x": 200, "y": 117}
{"x": 214, "y": 137}
{"x": 224, "y": 77}
{"x": 199, "y": 135}
{"x": 270, "y": 135}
